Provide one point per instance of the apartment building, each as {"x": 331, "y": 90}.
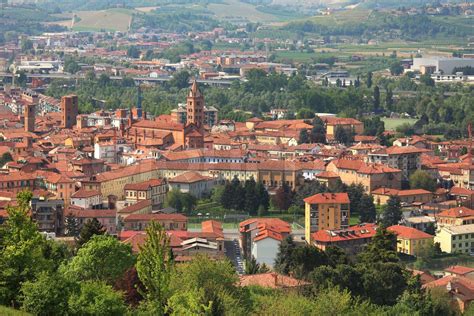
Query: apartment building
{"x": 326, "y": 211}
{"x": 154, "y": 190}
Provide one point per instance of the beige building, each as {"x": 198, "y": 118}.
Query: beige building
{"x": 326, "y": 211}
{"x": 154, "y": 190}
{"x": 382, "y": 195}
{"x": 371, "y": 176}
{"x": 456, "y": 239}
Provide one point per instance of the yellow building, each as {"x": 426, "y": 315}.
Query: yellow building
{"x": 456, "y": 238}
{"x": 326, "y": 211}
{"x": 411, "y": 241}
{"x": 349, "y": 124}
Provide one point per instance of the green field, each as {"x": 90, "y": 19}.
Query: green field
{"x": 392, "y": 123}
{"x": 236, "y": 9}
{"x": 107, "y": 20}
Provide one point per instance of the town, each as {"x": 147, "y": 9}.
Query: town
{"x": 149, "y": 170}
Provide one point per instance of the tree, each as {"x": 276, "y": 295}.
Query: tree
{"x": 263, "y": 196}
{"x": 376, "y": 98}
{"x": 22, "y": 250}
{"x": 154, "y": 266}
{"x": 252, "y": 266}
{"x": 284, "y": 258}
{"x": 71, "y": 226}
{"x": 389, "y": 99}
{"x": 133, "y": 52}
{"x": 355, "y": 193}
{"x": 227, "y": 196}
{"x": 283, "y": 197}
{"x": 392, "y": 213}
{"x": 342, "y": 136}
{"x": 252, "y": 202}
{"x": 180, "y": 79}
{"x": 304, "y": 137}
{"x": 96, "y": 298}
{"x": 381, "y": 249}
{"x": 47, "y": 295}
{"x": 369, "y": 80}
{"x": 396, "y": 69}
{"x": 217, "y": 192}
{"x": 102, "y": 258}
{"x": 304, "y": 114}
{"x": 238, "y": 197}
{"x": 422, "y": 180}
{"x": 6, "y": 157}
{"x": 367, "y": 209}
{"x": 426, "y": 80}
{"x": 217, "y": 280}
{"x": 91, "y": 227}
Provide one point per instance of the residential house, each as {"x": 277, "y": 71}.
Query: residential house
{"x": 261, "y": 237}
{"x": 87, "y": 199}
{"x": 352, "y": 239}
{"x": 193, "y": 183}
{"x": 154, "y": 190}
{"x": 407, "y": 197}
{"x": 107, "y": 218}
{"x": 455, "y": 216}
{"x": 411, "y": 241}
{"x": 168, "y": 221}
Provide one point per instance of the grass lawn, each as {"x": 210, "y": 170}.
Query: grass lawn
{"x": 354, "y": 219}
{"x": 392, "y": 123}
{"x": 6, "y": 311}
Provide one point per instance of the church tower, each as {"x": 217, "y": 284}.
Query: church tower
{"x": 29, "y": 115}
{"x": 195, "y": 106}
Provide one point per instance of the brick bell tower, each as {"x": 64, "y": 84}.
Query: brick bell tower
{"x": 195, "y": 106}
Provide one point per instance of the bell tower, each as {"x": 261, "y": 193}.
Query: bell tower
{"x": 195, "y": 106}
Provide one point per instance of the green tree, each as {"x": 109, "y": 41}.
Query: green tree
{"x": 6, "y": 157}
{"x": 304, "y": 137}
{"x": 71, "y": 226}
{"x": 154, "y": 267}
{"x": 422, "y": 180}
{"x": 91, "y": 227}
{"x": 96, "y": 298}
{"x": 102, "y": 258}
{"x": 305, "y": 114}
{"x": 381, "y": 249}
{"x": 217, "y": 192}
{"x": 252, "y": 202}
{"x": 180, "y": 79}
{"x": 217, "y": 279}
{"x": 376, "y": 98}
{"x": 392, "y": 212}
{"x": 342, "y": 136}
{"x": 22, "y": 250}
{"x": 47, "y": 295}
{"x": 283, "y": 197}
{"x": 367, "y": 209}
{"x": 369, "y": 80}
{"x": 396, "y": 69}
{"x": 426, "y": 80}
{"x": 252, "y": 266}
{"x": 263, "y": 196}
{"x": 133, "y": 52}
{"x": 284, "y": 259}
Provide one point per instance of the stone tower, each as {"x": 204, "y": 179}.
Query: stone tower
{"x": 195, "y": 106}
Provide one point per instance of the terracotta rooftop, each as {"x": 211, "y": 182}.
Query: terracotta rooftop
{"x": 326, "y": 198}
{"x": 83, "y": 194}
{"x": 155, "y": 217}
{"x": 136, "y": 207}
{"x": 189, "y": 177}
{"x": 270, "y": 280}
{"x": 361, "y": 231}
{"x": 143, "y": 186}
{"x": 405, "y": 232}
{"x": 457, "y": 212}
{"x": 459, "y": 270}
{"x": 390, "y": 191}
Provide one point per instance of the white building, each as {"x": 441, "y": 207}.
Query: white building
{"x": 110, "y": 152}
{"x": 265, "y": 249}
{"x": 443, "y": 65}
{"x": 86, "y": 199}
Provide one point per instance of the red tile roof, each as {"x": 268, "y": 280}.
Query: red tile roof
{"x": 189, "y": 177}
{"x": 405, "y": 232}
{"x": 155, "y": 217}
{"x": 457, "y": 212}
{"x": 459, "y": 270}
{"x": 270, "y": 280}
{"x": 390, "y": 191}
{"x": 82, "y": 194}
{"x": 136, "y": 207}
{"x": 351, "y": 233}
{"x": 326, "y": 198}
{"x": 143, "y": 186}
